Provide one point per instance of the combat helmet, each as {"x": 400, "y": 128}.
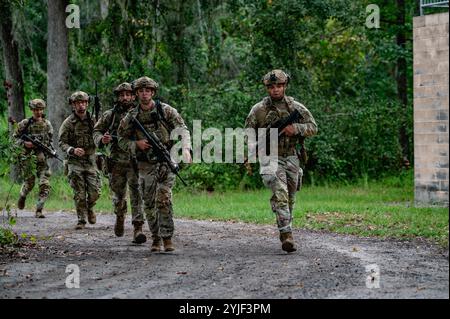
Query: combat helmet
{"x": 144, "y": 82}
{"x": 276, "y": 77}
{"x": 125, "y": 86}
{"x": 37, "y": 104}
{"x": 78, "y": 96}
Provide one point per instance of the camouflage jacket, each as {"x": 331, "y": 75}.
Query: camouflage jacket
{"x": 77, "y": 133}
{"x": 128, "y": 134}
{"x": 267, "y": 112}
{"x": 110, "y": 121}
{"x": 42, "y": 131}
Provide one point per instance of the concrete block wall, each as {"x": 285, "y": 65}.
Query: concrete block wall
{"x": 431, "y": 112}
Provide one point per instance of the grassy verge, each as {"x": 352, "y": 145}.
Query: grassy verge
{"x": 383, "y": 208}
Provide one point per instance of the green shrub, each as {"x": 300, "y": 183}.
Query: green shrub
{"x": 7, "y": 237}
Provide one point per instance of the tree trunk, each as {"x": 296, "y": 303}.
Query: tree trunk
{"x": 13, "y": 73}
{"x": 156, "y": 35}
{"x": 402, "y": 81}
{"x": 176, "y": 32}
{"x": 179, "y": 35}
{"x": 104, "y": 8}
{"x": 57, "y": 69}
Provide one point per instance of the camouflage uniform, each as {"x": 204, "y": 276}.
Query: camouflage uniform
{"x": 82, "y": 172}
{"x": 156, "y": 180}
{"x": 119, "y": 167}
{"x": 286, "y": 180}
{"x": 43, "y": 131}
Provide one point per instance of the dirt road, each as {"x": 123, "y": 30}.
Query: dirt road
{"x": 217, "y": 260}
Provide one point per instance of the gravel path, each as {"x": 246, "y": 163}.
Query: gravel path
{"x": 217, "y": 260}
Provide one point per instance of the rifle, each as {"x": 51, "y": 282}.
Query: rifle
{"x": 97, "y": 106}
{"x": 104, "y": 157}
{"x": 292, "y": 118}
{"x": 160, "y": 150}
{"x": 281, "y": 124}
{"x": 111, "y": 124}
{"x": 41, "y": 146}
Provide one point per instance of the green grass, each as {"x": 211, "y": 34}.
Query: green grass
{"x": 382, "y": 208}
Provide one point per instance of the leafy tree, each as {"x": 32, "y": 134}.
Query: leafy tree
{"x": 209, "y": 57}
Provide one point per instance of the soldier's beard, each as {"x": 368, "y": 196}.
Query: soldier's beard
{"x": 125, "y": 105}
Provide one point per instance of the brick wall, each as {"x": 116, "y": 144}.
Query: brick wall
{"x": 431, "y": 131}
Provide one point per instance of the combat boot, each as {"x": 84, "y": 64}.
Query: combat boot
{"x": 156, "y": 245}
{"x": 168, "y": 246}
{"x": 21, "y": 202}
{"x": 119, "y": 226}
{"x": 39, "y": 213}
{"x": 80, "y": 225}
{"x": 138, "y": 235}
{"x": 92, "y": 219}
{"x": 287, "y": 242}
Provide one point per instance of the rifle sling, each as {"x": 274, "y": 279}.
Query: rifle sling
{"x": 161, "y": 116}
{"x": 25, "y": 129}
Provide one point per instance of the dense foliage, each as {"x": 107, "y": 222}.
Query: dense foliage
{"x": 209, "y": 56}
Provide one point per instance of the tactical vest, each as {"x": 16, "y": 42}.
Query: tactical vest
{"x": 271, "y": 114}
{"x": 113, "y": 119}
{"x": 40, "y": 131}
{"x": 81, "y": 134}
{"x": 152, "y": 122}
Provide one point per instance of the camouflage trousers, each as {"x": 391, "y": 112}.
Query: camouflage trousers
{"x": 156, "y": 182}
{"x": 43, "y": 174}
{"x": 284, "y": 181}
{"x": 86, "y": 185}
{"x": 121, "y": 175}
